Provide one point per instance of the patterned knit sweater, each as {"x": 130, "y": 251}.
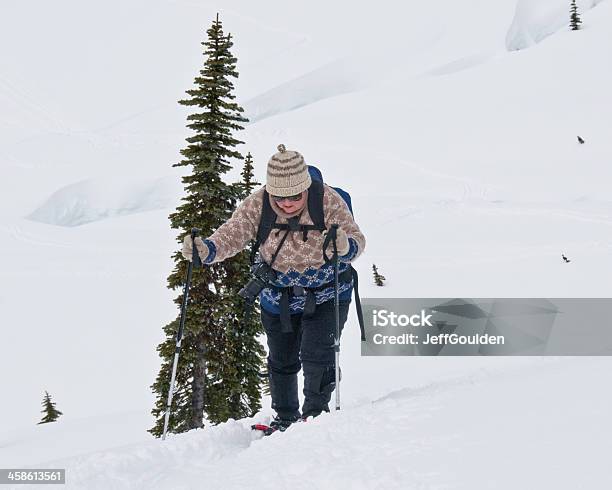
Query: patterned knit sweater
{"x": 299, "y": 263}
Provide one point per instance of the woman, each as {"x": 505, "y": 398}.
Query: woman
{"x": 297, "y": 307}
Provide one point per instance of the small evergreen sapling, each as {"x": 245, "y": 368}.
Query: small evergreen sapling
{"x": 51, "y": 414}
{"x": 378, "y": 278}
{"x": 574, "y": 17}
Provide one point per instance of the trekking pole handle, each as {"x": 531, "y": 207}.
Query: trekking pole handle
{"x": 197, "y": 261}
{"x": 334, "y": 237}
{"x": 331, "y": 235}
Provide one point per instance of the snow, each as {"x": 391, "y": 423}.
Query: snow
{"x": 493, "y": 428}
{"x": 97, "y": 199}
{"x": 459, "y": 149}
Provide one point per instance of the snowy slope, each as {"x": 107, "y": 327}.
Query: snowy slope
{"x": 459, "y": 151}
{"x": 542, "y": 426}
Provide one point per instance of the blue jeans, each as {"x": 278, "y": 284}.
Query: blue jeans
{"x": 311, "y": 345}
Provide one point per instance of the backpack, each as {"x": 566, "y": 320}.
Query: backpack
{"x": 315, "y": 175}
{"x": 315, "y": 210}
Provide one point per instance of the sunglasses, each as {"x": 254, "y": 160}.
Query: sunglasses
{"x": 293, "y": 198}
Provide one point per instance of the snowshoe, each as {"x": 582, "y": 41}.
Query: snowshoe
{"x": 277, "y": 424}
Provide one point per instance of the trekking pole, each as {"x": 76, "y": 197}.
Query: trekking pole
{"x": 195, "y": 261}
{"x": 334, "y": 235}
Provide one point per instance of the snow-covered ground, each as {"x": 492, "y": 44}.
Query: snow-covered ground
{"x": 452, "y": 124}
{"x": 539, "y": 426}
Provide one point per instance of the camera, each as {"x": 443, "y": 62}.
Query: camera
{"x": 263, "y": 275}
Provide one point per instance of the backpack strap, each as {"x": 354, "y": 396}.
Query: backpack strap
{"x": 266, "y": 222}
{"x": 315, "y": 205}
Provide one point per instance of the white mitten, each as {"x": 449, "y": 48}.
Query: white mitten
{"x": 187, "y": 250}
{"x": 342, "y": 242}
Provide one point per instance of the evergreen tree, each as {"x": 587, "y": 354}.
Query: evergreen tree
{"x": 242, "y": 377}
{"x": 51, "y": 413}
{"x": 247, "y": 186}
{"x": 574, "y": 17}
{"x": 378, "y": 278}
{"x": 206, "y": 352}
{"x": 248, "y": 183}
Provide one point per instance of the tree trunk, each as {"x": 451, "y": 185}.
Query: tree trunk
{"x": 198, "y": 384}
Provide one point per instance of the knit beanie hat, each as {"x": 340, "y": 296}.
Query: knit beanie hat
{"x": 287, "y": 173}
